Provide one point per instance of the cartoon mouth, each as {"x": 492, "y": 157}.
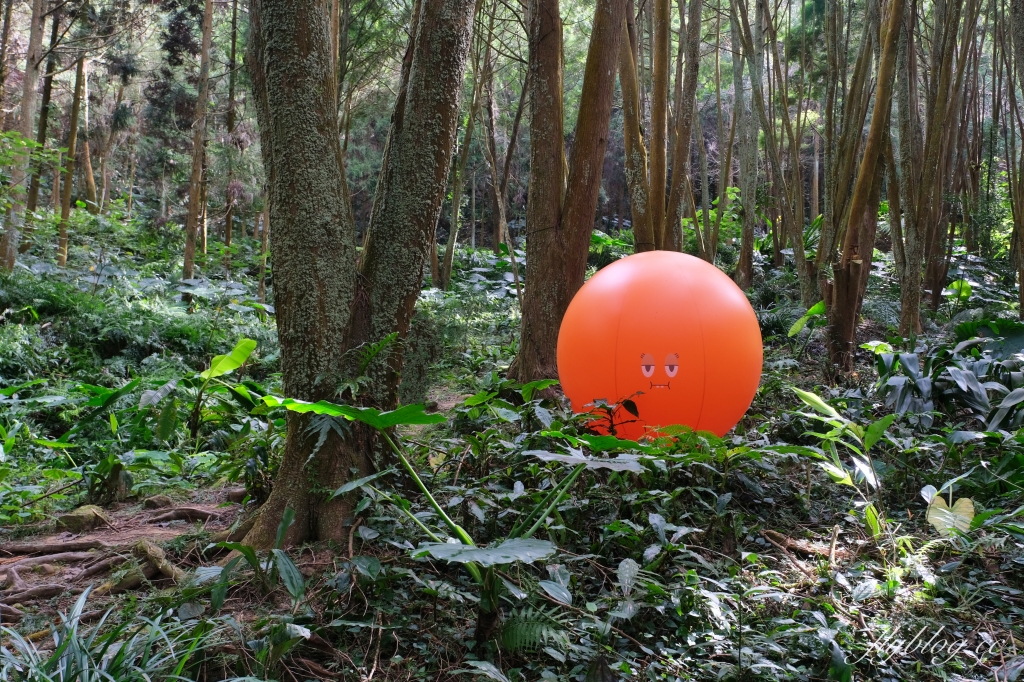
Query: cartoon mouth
{"x": 668, "y": 385}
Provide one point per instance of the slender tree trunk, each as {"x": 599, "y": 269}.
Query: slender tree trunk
{"x": 458, "y": 176}
{"x": 69, "y": 172}
{"x": 669, "y": 236}
{"x": 321, "y": 309}
{"x": 108, "y": 150}
{"x": 635, "y": 162}
{"x": 661, "y": 48}
{"x": 91, "y": 202}
{"x": 229, "y": 196}
{"x": 746, "y": 124}
{"x": 19, "y": 173}
{"x": 195, "y": 187}
{"x": 52, "y": 64}
{"x": 5, "y": 35}
{"x": 558, "y": 237}
{"x": 853, "y": 268}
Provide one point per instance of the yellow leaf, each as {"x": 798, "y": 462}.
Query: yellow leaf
{"x": 945, "y": 519}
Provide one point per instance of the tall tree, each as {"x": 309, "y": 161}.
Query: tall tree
{"x": 323, "y": 307}
{"x": 558, "y": 229}
{"x": 19, "y": 174}
{"x": 195, "y": 187}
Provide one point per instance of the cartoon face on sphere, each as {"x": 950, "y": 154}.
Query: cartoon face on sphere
{"x": 668, "y": 331}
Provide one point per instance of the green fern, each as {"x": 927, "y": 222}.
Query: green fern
{"x": 531, "y": 628}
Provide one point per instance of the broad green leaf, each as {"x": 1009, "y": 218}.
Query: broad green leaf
{"x": 479, "y": 398}
{"x": 358, "y": 483}
{"x": 622, "y": 462}
{"x": 507, "y": 552}
{"x": 11, "y": 390}
{"x": 223, "y": 364}
{"x": 873, "y": 520}
{"x": 837, "y": 474}
{"x": 529, "y": 389}
{"x": 155, "y": 396}
{"x": 556, "y": 591}
{"x": 817, "y": 403}
{"x": 814, "y": 311}
{"x": 959, "y": 290}
{"x": 168, "y": 420}
{"x": 290, "y": 576}
{"x": 407, "y": 414}
{"x": 876, "y": 430}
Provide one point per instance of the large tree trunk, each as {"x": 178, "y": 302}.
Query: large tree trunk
{"x": 195, "y": 186}
{"x": 69, "y": 172}
{"x": 320, "y": 310}
{"x": 558, "y": 237}
{"x": 19, "y": 173}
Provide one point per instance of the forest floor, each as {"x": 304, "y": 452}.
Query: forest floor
{"x": 782, "y": 551}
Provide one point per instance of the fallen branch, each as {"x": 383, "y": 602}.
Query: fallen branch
{"x": 52, "y": 547}
{"x": 803, "y": 569}
{"x": 39, "y": 592}
{"x": 184, "y": 514}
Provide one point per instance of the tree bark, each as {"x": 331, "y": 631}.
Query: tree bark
{"x": 746, "y": 125}
{"x": 52, "y": 63}
{"x": 669, "y": 236}
{"x": 198, "y": 144}
{"x": 321, "y": 311}
{"x": 858, "y": 244}
{"x": 229, "y": 197}
{"x": 640, "y": 197}
{"x": 660, "y": 47}
{"x": 91, "y": 203}
{"x": 19, "y": 173}
{"x": 558, "y": 238}
{"x": 69, "y": 172}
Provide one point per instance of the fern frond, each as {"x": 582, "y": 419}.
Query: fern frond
{"x": 530, "y": 628}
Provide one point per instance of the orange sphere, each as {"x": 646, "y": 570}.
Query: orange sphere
{"x": 670, "y": 330}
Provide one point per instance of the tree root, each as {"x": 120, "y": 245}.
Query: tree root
{"x": 237, "y": 532}
{"x": 17, "y": 582}
{"x": 131, "y": 580}
{"x": 38, "y": 592}
{"x": 16, "y": 549}
{"x": 9, "y": 614}
{"x": 153, "y": 562}
{"x": 101, "y": 567}
{"x": 184, "y": 514}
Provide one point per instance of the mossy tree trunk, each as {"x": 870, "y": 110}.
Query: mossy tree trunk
{"x": 325, "y": 307}
{"x": 558, "y": 230}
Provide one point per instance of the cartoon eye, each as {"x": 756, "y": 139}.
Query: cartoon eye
{"x": 672, "y": 365}
{"x": 647, "y": 364}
